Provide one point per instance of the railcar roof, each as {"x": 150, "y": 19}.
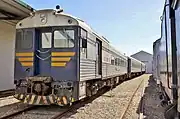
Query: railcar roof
{"x": 82, "y": 24}
{"x": 135, "y": 60}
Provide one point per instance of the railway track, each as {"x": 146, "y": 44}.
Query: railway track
{"x": 6, "y": 93}
{"x": 62, "y": 112}
{"x": 130, "y": 101}
{"x": 88, "y": 100}
{"x": 79, "y": 104}
{"x": 18, "y": 112}
{"x": 59, "y": 113}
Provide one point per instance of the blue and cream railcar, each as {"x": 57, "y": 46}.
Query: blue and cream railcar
{"x": 60, "y": 59}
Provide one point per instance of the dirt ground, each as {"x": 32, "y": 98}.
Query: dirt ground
{"x": 151, "y": 102}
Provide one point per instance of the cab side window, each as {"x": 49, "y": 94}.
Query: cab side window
{"x": 83, "y": 43}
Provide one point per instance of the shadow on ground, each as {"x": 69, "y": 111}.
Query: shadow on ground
{"x": 149, "y": 104}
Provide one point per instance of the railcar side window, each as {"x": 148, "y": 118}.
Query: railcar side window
{"x": 119, "y": 62}
{"x": 63, "y": 38}
{"x": 46, "y": 40}
{"x": 112, "y": 60}
{"x": 83, "y": 39}
{"x": 83, "y": 34}
{"x": 122, "y": 62}
{"x": 116, "y": 61}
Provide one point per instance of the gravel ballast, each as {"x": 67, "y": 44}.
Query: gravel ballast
{"x": 7, "y": 101}
{"x": 112, "y": 104}
{"x": 152, "y": 108}
{"x": 107, "y": 107}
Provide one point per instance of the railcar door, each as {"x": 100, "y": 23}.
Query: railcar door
{"x": 43, "y": 52}
{"x": 64, "y": 60}
{"x": 129, "y": 66}
{"x": 98, "y": 57}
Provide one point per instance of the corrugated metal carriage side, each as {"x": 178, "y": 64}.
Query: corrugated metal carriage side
{"x": 60, "y": 59}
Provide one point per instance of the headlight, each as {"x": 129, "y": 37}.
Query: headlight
{"x": 23, "y": 83}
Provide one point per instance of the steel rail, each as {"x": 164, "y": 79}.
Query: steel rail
{"x": 18, "y": 112}
{"x": 129, "y": 102}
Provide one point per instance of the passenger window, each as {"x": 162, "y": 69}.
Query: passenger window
{"x": 46, "y": 40}
{"x": 64, "y": 38}
{"x": 122, "y": 62}
{"x": 112, "y": 60}
{"x": 116, "y": 61}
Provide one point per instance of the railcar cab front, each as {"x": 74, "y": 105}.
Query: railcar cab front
{"x": 47, "y": 57}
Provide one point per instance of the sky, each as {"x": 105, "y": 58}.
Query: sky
{"x": 129, "y": 25}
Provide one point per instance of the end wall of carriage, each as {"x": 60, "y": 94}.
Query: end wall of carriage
{"x": 7, "y": 36}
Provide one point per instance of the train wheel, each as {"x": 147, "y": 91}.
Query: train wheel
{"x": 164, "y": 103}
{"x": 160, "y": 96}
{"x": 170, "y": 112}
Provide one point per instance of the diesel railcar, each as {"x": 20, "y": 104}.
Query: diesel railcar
{"x": 167, "y": 58}
{"x": 60, "y": 59}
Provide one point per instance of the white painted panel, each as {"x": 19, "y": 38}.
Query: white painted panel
{"x": 91, "y": 49}
{"x": 82, "y": 90}
{"x": 7, "y": 39}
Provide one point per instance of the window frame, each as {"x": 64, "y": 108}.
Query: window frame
{"x": 53, "y": 38}
{"x": 112, "y": 60}
{"x": 18, "y": 44}
{"x": 84, "y": 51}
{"x": 84, "y": 37}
